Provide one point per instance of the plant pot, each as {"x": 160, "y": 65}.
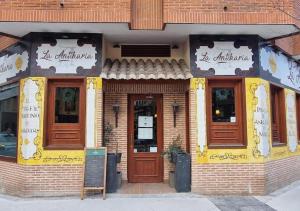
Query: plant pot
{"x": 119, "y": 156}
{"x": 183, "y": 172}
{"x": 111, "y": 173}
{"x": 173, "y": 157}
{"x": 119, "y": 178}
{"x": 172, "y": 179}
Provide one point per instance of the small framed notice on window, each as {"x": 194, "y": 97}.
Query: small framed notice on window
{"x": 233, "y": 119}
{"x": 145, "y": 133}
{"x": 145, "y": 121}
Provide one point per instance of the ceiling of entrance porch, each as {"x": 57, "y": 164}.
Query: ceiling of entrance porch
{"x": 119, "y": 32}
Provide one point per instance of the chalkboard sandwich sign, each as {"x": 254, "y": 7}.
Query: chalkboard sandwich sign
{"x": 94, "y": 174}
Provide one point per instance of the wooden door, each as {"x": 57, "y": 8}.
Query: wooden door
{"x": 66, "y": 114}
{"x": 224, "y": 113}
{"x": 145, "y": 138}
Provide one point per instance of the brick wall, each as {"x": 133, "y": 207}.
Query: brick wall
{"x": 239, "y": 179}
{"x": 54, "y": 180}
{"x": 222, "y": 179}
{"x": 245, "y": 12}
{"x": 73, "y": 11}
{"x": 169, "y": 131}
{"x": 5, "y": 42}
{"x": 11, "y": 178}
{"x": 280, "y": 173}
{"x": 228, "y": 179}
{"x": 121, "y": 132}
{"x": 99, "y": 116}
{"x": 174, "y": 11}
{"x": 290, "y": 45}
{"x": 147, "y": 14}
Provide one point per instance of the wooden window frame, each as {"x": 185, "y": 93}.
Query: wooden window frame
{"x": 240, "y": 104}
{"x": 12, "y": 159}
{"x": 52, "y": 83}
{"x": 298, "y": 114}
{"x": 277, "y": 101}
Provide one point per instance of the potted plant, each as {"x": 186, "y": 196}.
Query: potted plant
{"x": 173, "y": 149}
{"x": 109, "y": 136}
{"x": 113, "y": 176}
{"x": 171, "y": 153}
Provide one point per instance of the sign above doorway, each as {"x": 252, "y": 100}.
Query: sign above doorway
{"x": 224, "y": 58}
{"x": 224, "y": 55}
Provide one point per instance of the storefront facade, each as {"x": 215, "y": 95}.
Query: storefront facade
{"x": 176, "y": 72}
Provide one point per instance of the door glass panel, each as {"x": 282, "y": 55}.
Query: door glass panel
{"x": 223, "y": 105}
{"x": 145, "y": 123}
{"x": 67, "y": 105}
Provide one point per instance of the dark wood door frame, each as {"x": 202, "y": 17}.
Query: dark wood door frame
{"x": 65, "y": 129}
{"x": 130, "y": 138}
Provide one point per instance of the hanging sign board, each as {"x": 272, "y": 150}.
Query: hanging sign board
{"x": 66, "y": 56}
{"x": 279, "y": 68}
{"x": 94, "y": 174}
{"x": 224, "y": 58}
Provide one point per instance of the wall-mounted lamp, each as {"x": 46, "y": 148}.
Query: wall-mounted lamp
{"x": 62, "y": 3}
{"x": 116, "y": 45}
{"x": 175, "y": 107}
{"x": 174, "y": 47}
{"x": 116, "y": 109}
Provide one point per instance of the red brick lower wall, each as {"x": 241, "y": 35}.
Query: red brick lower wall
{"x": 54, "y": 180}
{"x": 280, "y": 173}
{"x": 244, "y": 179}
{"x": 11, "y": 178}
{"x": 228, "y": 179}
{"x": 27, "y": 181}
{"x": 208, "y": 179}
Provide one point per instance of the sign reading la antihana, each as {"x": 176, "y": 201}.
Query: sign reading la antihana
{"x": 66, "y": 56}
{"x": 224, "y": 58}
{"x": 11, "y": 65}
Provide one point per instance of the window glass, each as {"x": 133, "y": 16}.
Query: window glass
{"x": 145, "y": 125}
{"x": 223, "y": 105}
{"x": 67, "y": 105}
{"x": 8, "y": 126}
{"x": 278, "y": 115}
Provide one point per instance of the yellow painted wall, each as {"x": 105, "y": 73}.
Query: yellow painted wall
{"x": 31, "y": 152}
{"x": 253, "y": 152}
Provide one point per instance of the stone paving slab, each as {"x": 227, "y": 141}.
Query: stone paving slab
{"x": 110, "y": 204}
{"x": 240, "y": 203}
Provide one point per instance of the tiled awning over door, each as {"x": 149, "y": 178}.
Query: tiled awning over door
{"x": 149, "y": 69}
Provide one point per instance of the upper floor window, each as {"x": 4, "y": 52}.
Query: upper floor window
{"x": 278, "y": 115}
{"x": 9, "y": 121}
{"x": 225, "y": 113}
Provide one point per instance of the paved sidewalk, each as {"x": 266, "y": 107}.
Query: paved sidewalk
{"x": 151, "y": 203}
{"x": 286, "y": 199}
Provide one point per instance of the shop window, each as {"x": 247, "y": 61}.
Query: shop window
{"x": 225, "y": 113}
{"x": 66, "y": 114}
{"x": 298, "y": 115}
{"x": 9, "y": 121}
{"x": 278, "y": 115}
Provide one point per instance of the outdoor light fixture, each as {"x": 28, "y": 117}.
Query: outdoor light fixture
{"x": 175, "y": 107}
{"x": 62, "y": 3}
{"x": 116, "y": 45}
{"x": 116, "y": 109}
{"x": 174, "y": 47}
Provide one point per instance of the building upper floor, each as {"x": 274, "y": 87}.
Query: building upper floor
{"x": 153, "y": 14}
